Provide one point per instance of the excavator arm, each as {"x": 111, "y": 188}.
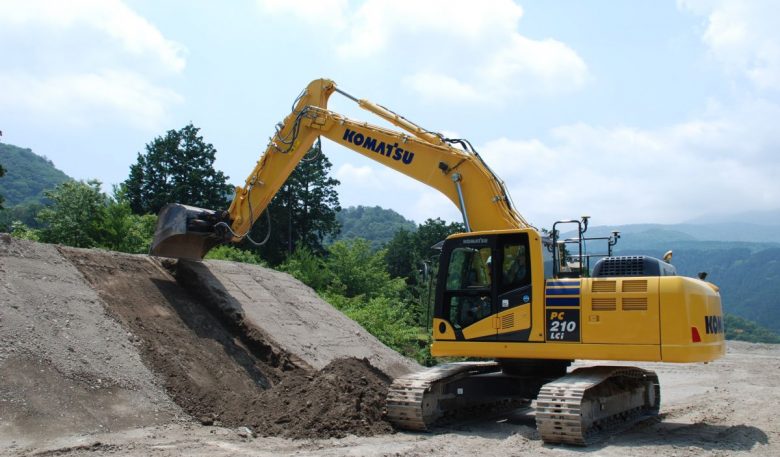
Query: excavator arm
{"x": 458, "y": 173}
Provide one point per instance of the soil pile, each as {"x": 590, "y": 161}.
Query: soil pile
{"x": 65, "y": 367}
{"x": 346, "y": 397}
{"x": 222, "y": 371}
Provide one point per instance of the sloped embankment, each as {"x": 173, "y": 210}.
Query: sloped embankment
{"x": 220, "y": 370}
{"x": 64, "y": 366}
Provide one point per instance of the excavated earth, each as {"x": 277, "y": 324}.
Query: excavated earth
{"x": 94, "y": 340}
{"x": 112, "y": 354}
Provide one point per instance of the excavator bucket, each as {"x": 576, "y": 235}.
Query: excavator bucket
{"x": 186, "y": 232}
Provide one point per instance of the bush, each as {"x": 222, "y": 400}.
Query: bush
{"x": 387, "y": 320}
{"x": 234, "y": 254}
{"x": 21, "y": 231}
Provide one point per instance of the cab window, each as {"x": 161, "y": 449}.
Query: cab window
{"x": 514, "y": 266}
{"x": 469, "y": 268}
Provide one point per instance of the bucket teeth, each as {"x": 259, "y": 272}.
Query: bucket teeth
{"x": 186, "y": 232}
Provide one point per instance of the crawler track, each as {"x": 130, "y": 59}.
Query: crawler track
{"x": 416, "y": 401}
{"x": 591, "y": 402}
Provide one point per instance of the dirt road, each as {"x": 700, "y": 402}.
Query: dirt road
{"x": 108, "y": 354}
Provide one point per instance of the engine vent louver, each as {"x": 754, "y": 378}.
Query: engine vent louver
{"x": 635, "y": 304}
{"x": 635, "y": 285}
{"x": 507, "y": 321}
{"x": 604, "y": 304}
{"x": 602, "y": 286}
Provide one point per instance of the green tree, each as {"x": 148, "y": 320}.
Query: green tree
{"x": 2, "y": 173}
{"x": 21, "y": 231}
{"x": 359, "y": 271}
{"x": 303, "y": 212}
{"x": 121, "y": 230}
{"x": 75, "y": 217}
{"x": 406, "y": 251}
{"x": 354, "y": 279}
{"x": 234, "y": 254}
{"x": 400, "y": 254}
{"x": 738, "y": 328}
{"x": 80, "y": 215}
{"x": 25, "y": 213}
{"x": 308, "y": 268}
{"x": 177, "y": 168}
{"x": 431, "y": 232}
{"x": 409, "y": 254}
{"x": 375, "y": 224}
{"x": 385, "y": 318}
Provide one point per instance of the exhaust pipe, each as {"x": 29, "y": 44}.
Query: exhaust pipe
{"x": 187, "y": 232}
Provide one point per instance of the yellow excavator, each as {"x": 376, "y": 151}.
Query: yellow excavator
{"x": 493, "y": 300}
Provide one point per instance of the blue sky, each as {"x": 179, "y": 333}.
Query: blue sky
{"x": 626, "y": 111}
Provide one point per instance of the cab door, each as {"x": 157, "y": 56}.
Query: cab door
{"x": 514, "y": 292}
{"x": 468, "y": 293}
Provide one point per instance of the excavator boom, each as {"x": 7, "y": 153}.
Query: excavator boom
{"x": 460, "y": 174}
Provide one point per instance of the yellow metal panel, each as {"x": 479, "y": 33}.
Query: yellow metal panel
{"x": 687, "y": 307}
{"x": 561, "y": 351}
{"x": 537, "y": 281}
{"x": 634, "y": 318}
{"x": 447, "y": 334}
{"x": 480, "y": 329}
{"x": 520, "y": 317}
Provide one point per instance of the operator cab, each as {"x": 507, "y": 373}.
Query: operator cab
{"x": 482, "y": 275}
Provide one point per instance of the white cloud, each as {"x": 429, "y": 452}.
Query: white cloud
{"x": 546, "y": 65}
{"x": 431, "y": 204}
{"x": 84, "y": 99}
{"x": 722, "y": 162}
{"x": 743, "y": 35}
{"x": 363, "y": 176}
{"x": 377, "y": 24}
{"x": 448, "y": 50}
{"x": 330, "y": 13}
{"x": 435, "y": 86}
{"x": 81, "y": 62}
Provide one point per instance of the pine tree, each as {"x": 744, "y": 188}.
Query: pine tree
{"x": 303, "y": 212}
{"x": 177, "y": 168}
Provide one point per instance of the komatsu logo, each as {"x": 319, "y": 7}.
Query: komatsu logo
{"x": 380, "y": 147}
{"x": 713, "y": 324}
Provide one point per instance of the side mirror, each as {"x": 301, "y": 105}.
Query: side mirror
{"x": 702, "y": 275}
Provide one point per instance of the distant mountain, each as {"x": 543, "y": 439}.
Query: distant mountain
{"x": 771, "y": 217}
{"x": 27, "y": 176}
{"x": 375, "y": 224}
{"x": 741, "y": 329}
{"x": 747, "y": 272}
{"x": 709, "y": 231}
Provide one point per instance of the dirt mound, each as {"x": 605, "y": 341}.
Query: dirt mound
{"x": 219, "y": 370}
{"x": 65, "y": 367}
{"x": 345, "y": 397}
